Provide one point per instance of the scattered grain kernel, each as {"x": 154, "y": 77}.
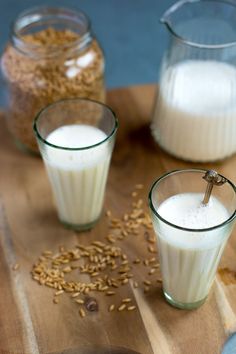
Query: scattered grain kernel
{"x": 59, "y": 292}
{"x": 16, "y": 266}
{"x": 111, "y": 308}
{"x": 157, "y": 265}
{"x": 75, "y": 294}
{"x": 120, "y": 237}
{"x": 82, "y": 313}
{"x": 76, "y": 266}
{"x": 139, "y": 203}
{"x": 122, "y": 307}
{"x": 129, "y": 275}
{"x": 131, "y": 308}
{"x": 61, "y": 249}
{"x": 152, "y": 271}
{"x": 111, "y": 239}
{"x": 47, "y": 253}
{"x": 67, "y": 269}
{"x": 137, "y": 261}
{"x": 110, "y": 293}
{"x": 151, "y": 249}
{"x": 115, "y": 285}
{"x": 127, "y": 300}
{"x": 86, "y": 291}
{"x": 147, "y": 282}
{"x": 108, "y": 213}
{"x": 135, "y": 284}
{"x": 79, "y": 301}
{"x": 94, "y": 274}
{"x": 151, "y": 240}
{"x": 126, "y": 217}
{"x": 125, "y": 262}
{"x": 124, "y": 269}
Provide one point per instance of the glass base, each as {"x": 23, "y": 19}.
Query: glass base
{"x": 182, "y": 305}
{"x": 79, "y": 227}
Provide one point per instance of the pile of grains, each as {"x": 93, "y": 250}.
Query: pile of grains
{"x": 54, "y": 67}
{"x": 105, "y": 264}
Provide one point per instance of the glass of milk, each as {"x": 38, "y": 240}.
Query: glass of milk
{"x": 191, "y": 236}
{"x": 194, "y": 116}
{"x": 76, "y": 138}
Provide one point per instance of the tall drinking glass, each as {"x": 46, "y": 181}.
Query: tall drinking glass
{"x": 191, "y": 236}
{"x": 76, "y": 138}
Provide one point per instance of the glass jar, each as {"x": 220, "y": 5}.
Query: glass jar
{"x": 195, "y": 113}
{"x": 52, "y": 54}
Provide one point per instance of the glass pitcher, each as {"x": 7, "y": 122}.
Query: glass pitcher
{"x": 194, "y": 116}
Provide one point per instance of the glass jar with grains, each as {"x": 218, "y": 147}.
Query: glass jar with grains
{"x": 52, "y": 55}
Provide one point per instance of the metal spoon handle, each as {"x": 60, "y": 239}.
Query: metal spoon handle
{"x": 213, "y": 179}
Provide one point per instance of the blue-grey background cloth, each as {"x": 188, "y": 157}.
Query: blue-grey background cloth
{"x": 130, "y": 34}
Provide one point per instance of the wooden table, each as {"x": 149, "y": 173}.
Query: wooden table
{"x": 29, "y": 320}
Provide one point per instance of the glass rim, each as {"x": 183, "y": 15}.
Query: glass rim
{"x": 164, "y": 20}
{"x": 43, "y": 110}
{"x": 160, "y": 179}
{"x": 53, "y": 10}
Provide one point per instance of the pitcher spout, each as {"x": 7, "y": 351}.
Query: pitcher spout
{"x": 202, "y": 23}
{"x": 166, "y": 17}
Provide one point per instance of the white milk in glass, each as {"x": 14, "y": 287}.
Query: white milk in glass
{"x": 189, "y": 259}
{"x": 195, "y": 115}
{"x": 78, "y": 177}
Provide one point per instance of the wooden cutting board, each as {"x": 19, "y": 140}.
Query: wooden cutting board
{"x": 29, "y": 320}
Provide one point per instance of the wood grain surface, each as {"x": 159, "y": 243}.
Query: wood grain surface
{"x": 29, "y": 321}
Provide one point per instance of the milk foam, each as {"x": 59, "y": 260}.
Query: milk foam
{"x": 76, "y": 136}
{"x": 186, "y": 210}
